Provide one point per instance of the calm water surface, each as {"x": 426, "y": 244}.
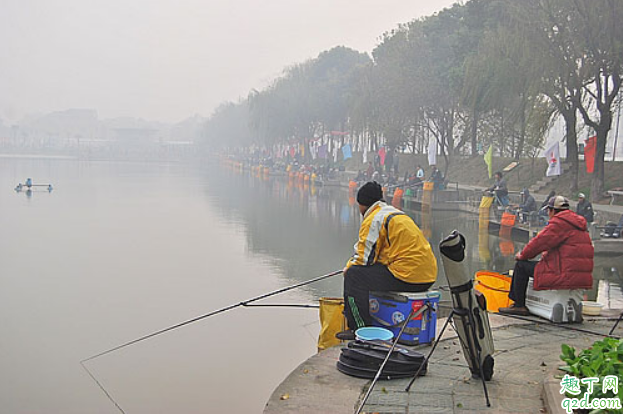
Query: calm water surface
{"x": 119, "y": 250}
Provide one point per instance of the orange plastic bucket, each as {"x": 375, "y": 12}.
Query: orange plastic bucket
{"x": 397, "y": 198}
{"x": 495, "y": 287}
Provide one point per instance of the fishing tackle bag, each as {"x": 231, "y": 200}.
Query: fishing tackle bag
{"x": 363, "y": 359}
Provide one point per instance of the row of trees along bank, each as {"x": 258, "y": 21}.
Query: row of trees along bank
{"x": 487, "y": 72}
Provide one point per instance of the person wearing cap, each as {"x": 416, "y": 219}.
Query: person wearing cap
{"x": 391, "y": 254}
{"x": 566, "y": 260}
{"x": 585, "y": 208}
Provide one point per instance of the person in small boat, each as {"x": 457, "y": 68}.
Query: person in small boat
{"x": 566, "y": 260}
{"x": 585, "y": 208}
{"x": 391, "y": 254}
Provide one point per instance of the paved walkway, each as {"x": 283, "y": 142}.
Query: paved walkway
{"x": 527, "y": 353}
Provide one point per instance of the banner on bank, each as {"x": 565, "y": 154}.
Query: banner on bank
{"x": 589, "y": 154}
{"x": 489, "y": 161}
{"x": 432, "y": 151}
{"x": 553, "y": 160}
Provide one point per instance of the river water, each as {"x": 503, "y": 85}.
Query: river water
{"x": 119, "y": 250}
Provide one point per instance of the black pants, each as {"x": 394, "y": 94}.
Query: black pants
{"x": 524, "y": 270}
{"x": 360, "y": 280}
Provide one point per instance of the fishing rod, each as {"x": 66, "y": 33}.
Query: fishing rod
{"x": 207, "y": 315}
{"x": 548, "y": 323}
{"x": 562, "y": 326}
{"x": 389, "y": 354}
{"x": 283, "y": 305}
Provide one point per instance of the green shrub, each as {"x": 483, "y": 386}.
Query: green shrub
{"x": 601, "y": 359}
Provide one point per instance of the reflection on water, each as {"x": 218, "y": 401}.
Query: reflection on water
{"x": 336, "y": 212}
{"x": 121, "y": 250}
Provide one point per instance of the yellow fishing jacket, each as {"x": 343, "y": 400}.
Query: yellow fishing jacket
{"x": 390, "y": 237}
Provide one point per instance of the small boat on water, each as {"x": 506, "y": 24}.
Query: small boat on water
{"x": 29, "y": 186}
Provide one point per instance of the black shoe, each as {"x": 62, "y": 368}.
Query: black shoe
{"x": 515, "y": 310}
{"x": 347, "y": 335}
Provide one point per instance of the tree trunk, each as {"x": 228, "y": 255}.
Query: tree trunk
{"x": 474, "y": 133}
{"x": 597, "y": 183}
{"x": 571, "y": 135}
{"x": 522, "y": 131}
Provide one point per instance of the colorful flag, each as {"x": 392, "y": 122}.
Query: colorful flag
{"x": 589, "y": 154}
{"x": 382, "y": 155}
{"x": 432, "y": 151}
{"x": 489, "y": 160}
{"x": 553, "y": 160}
{"x": 346, "y": 152}
{"x": 322, "y": 152}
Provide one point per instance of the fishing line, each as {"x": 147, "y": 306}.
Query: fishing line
{"x": 207, "y": 315}
{"x": 102, "y": 388}
{"x": 245, "y": 303}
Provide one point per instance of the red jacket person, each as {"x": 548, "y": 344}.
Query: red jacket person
{"x": 566, "y": 261}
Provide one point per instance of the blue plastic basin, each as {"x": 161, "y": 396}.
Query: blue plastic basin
{"x": 369, "y": 333}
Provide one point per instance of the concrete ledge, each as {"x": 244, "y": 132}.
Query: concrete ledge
{"x": 316, "y": 386}
{"x": 551, "y": 394}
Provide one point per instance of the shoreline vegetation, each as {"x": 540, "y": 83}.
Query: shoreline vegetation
{"x": 484, "y": 74}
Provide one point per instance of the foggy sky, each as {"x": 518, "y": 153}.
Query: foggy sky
{"x": 166, "y": 59}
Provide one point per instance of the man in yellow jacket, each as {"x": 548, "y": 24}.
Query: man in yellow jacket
{"x": 391, "y": 254}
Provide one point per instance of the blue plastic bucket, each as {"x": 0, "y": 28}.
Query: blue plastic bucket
{"x": 370, "y": 333}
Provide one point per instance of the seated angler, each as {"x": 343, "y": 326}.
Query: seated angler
{"x": 585, "y": 208}
{"x": 566, "y": 262}
{"x": 500, "y": 189}
{"x": 391, "y": 254}
{"x": 527, "y": 206}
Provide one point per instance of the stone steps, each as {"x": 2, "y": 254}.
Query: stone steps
{"x": 539, "y": 185}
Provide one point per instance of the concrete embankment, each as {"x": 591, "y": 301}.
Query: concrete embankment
{"x": 526, "y": 358}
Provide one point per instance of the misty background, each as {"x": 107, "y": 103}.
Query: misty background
{"x": 165, "y": 60}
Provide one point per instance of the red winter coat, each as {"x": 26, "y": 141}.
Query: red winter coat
{"x": 567, "y": 260}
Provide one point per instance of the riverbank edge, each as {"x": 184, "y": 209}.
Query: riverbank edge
{"x": 316, "y": 386}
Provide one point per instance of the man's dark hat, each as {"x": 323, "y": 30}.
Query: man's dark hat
{"x": 369, "y": 193}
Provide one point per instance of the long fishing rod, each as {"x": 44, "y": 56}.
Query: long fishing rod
{"x": 207, "y": 315}
{"x": 562, "y": 326}
{"x": 284, "y": 305}
{"x": 389, "y": 354}
{"x": 555, "y": 325}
